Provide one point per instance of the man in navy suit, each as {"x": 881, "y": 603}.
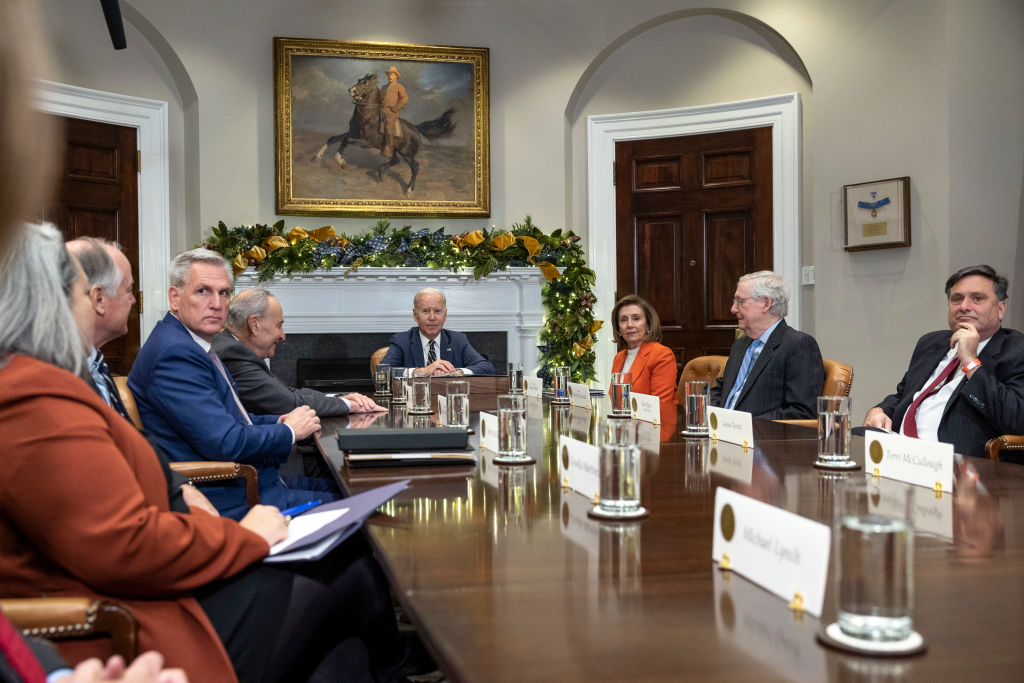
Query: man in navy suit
{"x": 190, "y": 406}
{"x": 430, "y": 350}
{"x": 774, "y": 372}
{"x": 966, "y": 387}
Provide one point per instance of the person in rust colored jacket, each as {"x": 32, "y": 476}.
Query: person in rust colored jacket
{"x": 637, "y": 331}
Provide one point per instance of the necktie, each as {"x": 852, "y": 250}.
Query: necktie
{"x": 19, "y": 655}
{"x": 432, "y": 352}
{"x": 224, "y": 373}
{"x": 749, "y": 358}
{"x": 108, "y": 388}
{"x": 910, "y": 419}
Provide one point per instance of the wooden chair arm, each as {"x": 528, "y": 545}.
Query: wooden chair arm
{"x": 204, "y": 471}
{"x": 69, "y": 617}
{"x": 1011, "y": 442}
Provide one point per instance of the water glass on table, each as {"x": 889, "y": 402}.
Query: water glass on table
{"x": 697, "y": 394}
{"x": 834, "y": 433}
{"x": 399, "y": 388}
{"x": 512, "y": 430}
{"x": 621, "y": 384}
{"x": 419, "y": 395}
{"x": 619, "y": 472}
{"x": 458, "y": 403}
{"x": 515, "y": 378}
{"x": 382, "y": 379}
{"x": 559, "y": 383}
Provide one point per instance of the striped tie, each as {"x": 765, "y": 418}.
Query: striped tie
{"x": 753, "y": 351}
{"x": 432, "y": 352}
{"x": 111, "y": 395}
{"x": 224, "y": 373}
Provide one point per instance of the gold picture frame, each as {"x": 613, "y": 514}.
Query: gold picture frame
{"x": 877, "y": 214}
{"x": 329, "y": 142}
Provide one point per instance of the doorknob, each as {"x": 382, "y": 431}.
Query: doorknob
{"x": 692, "y": 263}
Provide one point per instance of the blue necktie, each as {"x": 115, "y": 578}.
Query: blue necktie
{"x": 749, "y": 358}
{"x": 431, "y": 353}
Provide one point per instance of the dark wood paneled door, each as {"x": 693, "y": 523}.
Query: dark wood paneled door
{"x": 693, "y": 213}
{"x": 99, "y": 198}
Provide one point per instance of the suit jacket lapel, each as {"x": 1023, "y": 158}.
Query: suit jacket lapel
{"x": 640, "y": 362}
{"x": 416, "y": 346}
{"x": 763, "y": 358}
{"x": 989, "y": 355}
{"x": 444, "y": 344}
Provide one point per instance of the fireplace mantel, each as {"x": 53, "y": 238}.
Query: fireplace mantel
{"x": 380, "y": 300}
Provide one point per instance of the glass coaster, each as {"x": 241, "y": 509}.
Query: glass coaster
{"x": 833, "y": 465}
{"x": 833, "y": 636}
{"x": 505, "y": 460}
{"x": 596, "y": 511}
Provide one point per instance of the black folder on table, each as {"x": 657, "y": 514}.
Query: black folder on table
{"x": 404, "y": 446}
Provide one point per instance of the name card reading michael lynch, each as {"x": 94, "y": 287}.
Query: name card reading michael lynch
{"x": 734, "y": 426}
{"x": 645, "y": 407}
{"x": 489, "y": 432}
{"x": 915, "y": 461}
{"x": 579, "y": 467}
{"x": 784, "y": 553}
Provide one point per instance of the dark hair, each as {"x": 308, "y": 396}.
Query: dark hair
{"x": 653, "y": 323}
{"x": 999, "y": 282}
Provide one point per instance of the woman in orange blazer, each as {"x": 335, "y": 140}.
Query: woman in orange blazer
{"x": 637, "y": 331}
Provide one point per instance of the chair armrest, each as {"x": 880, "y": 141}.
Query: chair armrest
{"x": 68, "y": 617}
{"x": 1012, "y": 442}
{"x": 205, "y": 471}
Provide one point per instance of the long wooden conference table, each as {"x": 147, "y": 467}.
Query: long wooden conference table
{"x": 508, "y": 579}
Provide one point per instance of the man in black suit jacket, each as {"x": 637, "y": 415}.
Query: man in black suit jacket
{"x": 774, "y": 371}
{"x": 254, "y": 328}
{"x": 974, "y": 376}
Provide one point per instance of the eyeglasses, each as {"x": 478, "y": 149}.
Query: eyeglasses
{"x": 736, "y": 301}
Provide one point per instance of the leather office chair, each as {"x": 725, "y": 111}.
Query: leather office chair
{"x": 1009, "y": 442}
{"x": 838, "y": 382}
{"x": 377, "y": 357}
{"x": 701, "y": 368}
{"x": 201, "y": 471}
{"x": 74, "y": 617}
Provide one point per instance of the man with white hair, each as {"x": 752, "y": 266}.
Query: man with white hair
{"x": 774, "y": 371}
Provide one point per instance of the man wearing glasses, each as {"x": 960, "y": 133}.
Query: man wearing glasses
{"x": 773, "y": 371}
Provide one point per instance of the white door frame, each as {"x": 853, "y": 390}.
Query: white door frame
{"x": 149, "y": 118}
{"x": 781, "y": 112}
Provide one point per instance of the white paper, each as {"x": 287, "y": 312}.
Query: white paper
{"x": 645, "y": 407}
{"x": 734, "y": 426}
{"x": 915, "y": 461}
{"x": 304, "y": 525}
{"x": 579, "y": 466}
{"x": 731, "y": 461}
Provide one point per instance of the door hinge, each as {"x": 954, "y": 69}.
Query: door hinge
{"x": 138, "y": 161}
{"x": 139, "y": 299}
{"x": 613, "y": 173}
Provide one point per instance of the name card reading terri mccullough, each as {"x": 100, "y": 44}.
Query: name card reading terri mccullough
{"x": 533, "y": 386}
{"x": 489, "y": 432}
{"x": 734, "y": 426}
{"x": 579, "y": 467}
{"x": 645, "y": 407}
{"x": 579, "y": 395}
{"x": 915, "y": 461}
{"x": 784, "y": 553}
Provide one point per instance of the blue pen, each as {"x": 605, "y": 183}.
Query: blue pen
{"x": 298, "y": 509}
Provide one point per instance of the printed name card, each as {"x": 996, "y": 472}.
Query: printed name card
{"x": 732, "y": 461}
{"x": 489, "y": 431}
{"x": 533, "y": 386}
{"x": 782, "y": 552}
{"x": 734, "y": 426}
{"x": 579, "y": 466}
{"x": 645, "y": 407}
{"x": 442, "y": 410}
{"x": 915, "y": 461}
{"x": 579, "y": 395}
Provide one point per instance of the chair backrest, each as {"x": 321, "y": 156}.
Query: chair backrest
{"x": 706, "y": 368}
{"x": 838, "y": 378}
{"x": 376, "y": 358}
{"x": 128, "y": 400}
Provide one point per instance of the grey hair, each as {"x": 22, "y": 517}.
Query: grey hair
{"x": 99, "y": 267}
{"x": 246, "y": 304}
{"x": 181, "y": 265}
{"x": 765, "y": 283}
{"x": 429, "y": 290}
{"x": 37, "y": 277}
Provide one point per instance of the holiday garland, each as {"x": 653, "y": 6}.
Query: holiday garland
{"x": 568, "y": 334}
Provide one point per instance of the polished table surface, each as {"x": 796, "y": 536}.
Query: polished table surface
{"x": 508, "y": 579}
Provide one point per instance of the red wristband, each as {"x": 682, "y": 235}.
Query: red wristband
{"x": 976, "y": 363}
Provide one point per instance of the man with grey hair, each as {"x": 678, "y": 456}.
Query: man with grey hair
{"x": 188, "y": 402}
{"x": 774, "y": 371}
{"x": 255, "y": 326}
{"x": 430, "y": 350}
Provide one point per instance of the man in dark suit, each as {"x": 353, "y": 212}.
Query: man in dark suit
{"x": 430, "y": 350}
{"x": 190, "y": 406}
{"x": 967, "y": 386}
{"x": 774, "y": 371}
{"x": 255, "y": 326}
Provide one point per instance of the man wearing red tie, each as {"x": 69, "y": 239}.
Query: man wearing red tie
{"x": 966, "y": 387}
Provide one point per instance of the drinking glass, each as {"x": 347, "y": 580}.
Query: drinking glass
{"x": 875, "y": 560}
{"x": 458, "y": 403}
{"x": 419, "y": 395}
{"x": 382, "y": 379}
{"x": 621, "y": 383}
{"x": 834, "y": 431}
{"x": 698, "y": 395}
{"x": 559, "y": 383}
{"x": 399, "y": 388}
{"x": 512, "y": 429}
{"x": 620, "y": 480}
{"x": 515, "y": 378}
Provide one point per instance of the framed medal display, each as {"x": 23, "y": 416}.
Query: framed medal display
{"x": 877, "y": 214}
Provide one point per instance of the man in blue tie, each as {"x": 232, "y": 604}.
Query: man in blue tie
{"x": 774, "y": 371}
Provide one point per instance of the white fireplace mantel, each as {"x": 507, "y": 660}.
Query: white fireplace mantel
{"x": 380, "y": 300}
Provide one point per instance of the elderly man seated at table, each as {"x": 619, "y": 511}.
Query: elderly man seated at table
{"x": 430, "y": 350}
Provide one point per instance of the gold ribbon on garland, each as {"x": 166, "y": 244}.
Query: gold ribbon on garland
{"x": 596, "y": 325}
{"x": 503, "y": 242}
{"x": 275, "y": 242}
{"x": 320, "y": 234}
{"x": 581, "y": 348}
{"x": 532, "y": 246}
{"x": 296, "y": 234}
{"x": 474, "y": 238}
{"x": 256, "y": 254}
{"x": 239, "y": 264}
{"x": 549, "y": 270}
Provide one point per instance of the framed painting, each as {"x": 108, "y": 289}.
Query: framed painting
{"x": 877, "y": 214}
{"x": 378, "y": 129}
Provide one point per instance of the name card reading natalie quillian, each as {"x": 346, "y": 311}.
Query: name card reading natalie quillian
{"x": 783, "y": 553}
{"x": 579, "y": 395}
{"x": 915, "y": 461}
{"x": 533, "y": 386}
{"x": 645, "y": 407}
{"x": 489, "y": 431}
{"x": 579, "y": 467}
{"x": 734, "y": 426}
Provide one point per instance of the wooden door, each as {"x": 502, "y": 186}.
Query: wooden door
{"x": 693, "y": 213}
{"x": 98, "y": 197}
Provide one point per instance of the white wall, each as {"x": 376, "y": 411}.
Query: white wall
{"x": 925, "y": 88}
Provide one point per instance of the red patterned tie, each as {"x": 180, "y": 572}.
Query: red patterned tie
{"x": 19, "y": 655}
{"x": 910, "y": 419}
